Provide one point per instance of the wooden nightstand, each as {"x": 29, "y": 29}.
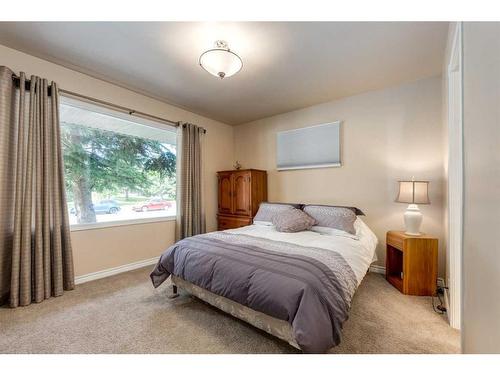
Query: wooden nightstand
{"x": 411, "y": 263}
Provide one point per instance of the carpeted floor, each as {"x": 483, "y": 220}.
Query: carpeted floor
{"x": 124, "y": 314}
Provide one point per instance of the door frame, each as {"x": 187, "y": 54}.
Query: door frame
{"x": 455, "y": 176}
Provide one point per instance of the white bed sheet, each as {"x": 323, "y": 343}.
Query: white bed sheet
{"x": 359, "y": 253}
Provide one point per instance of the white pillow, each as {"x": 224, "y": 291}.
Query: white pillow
{"x": 263, "y": 223}
{"x": 368, "y": 239}
{"x": 362, "y": 231}
{"x": 333, "y": 232}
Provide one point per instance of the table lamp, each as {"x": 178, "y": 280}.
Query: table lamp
{"x": 414, "y": 193}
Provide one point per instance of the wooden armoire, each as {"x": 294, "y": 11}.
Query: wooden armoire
{"x": 240, "y": 193}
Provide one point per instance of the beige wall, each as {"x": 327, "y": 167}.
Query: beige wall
{"x": 99, "y": 249}
{"x": 387, "y": 135}
{"x": 481, "y": 249}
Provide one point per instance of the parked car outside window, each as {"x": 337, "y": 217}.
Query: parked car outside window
{"x": 107, "y": 207}
{"x": 152, "y": 204}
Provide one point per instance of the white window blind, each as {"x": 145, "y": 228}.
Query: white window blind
{"x": 311, "y": 147}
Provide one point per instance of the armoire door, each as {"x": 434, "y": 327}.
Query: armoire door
{"x": 241, "y": 193}
{"x": 225, "y": 193}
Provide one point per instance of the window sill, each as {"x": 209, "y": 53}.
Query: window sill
{"x": 120, "y": 223}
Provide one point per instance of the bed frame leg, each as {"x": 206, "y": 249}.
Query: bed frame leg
{"x": 174, "y": 292}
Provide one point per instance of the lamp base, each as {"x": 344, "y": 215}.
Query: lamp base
{"x": 413, "y": 219}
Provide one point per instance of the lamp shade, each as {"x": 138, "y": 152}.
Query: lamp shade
{"x": 413, "y": 192}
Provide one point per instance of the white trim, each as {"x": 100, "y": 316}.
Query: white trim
{"x": 115, "y": 270}
{"x": 377, "y": 269}
{"x": 119, "y": 223}
{"x": 447, "y": 304}
{"x": 455, "y": 175}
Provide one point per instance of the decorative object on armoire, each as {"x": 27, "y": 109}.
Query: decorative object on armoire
{"x": 36, "y": 259}
{"x": 237, "y": 165}
{"x": 414, "y": 193}
{"x": 190, "y": 205}
{"x": 240, "y": 194}
{"x": 316, "y": 146}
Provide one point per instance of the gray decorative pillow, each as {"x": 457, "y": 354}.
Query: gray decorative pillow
{"x": 341, "y": 218}
{"x": 356, "y": 210}
{"x": 292, "y": 221}
{"x": 268, "y": 210}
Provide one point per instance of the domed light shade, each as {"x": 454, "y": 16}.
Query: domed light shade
{"x": 220, "y": 61}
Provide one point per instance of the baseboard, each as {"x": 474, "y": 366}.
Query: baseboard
{"x": 115, "y": 270}
{"x": 147, "y": 262}
{"x": 377, "y": 269}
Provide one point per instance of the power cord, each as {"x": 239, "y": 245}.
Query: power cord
{"x": 439, "y": 309}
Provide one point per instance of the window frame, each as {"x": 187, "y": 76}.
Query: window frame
{"x": 121, "y": 223}
{"x": 111, "y": 110}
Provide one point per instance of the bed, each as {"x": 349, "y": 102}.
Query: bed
{"x": 295, "y": 286}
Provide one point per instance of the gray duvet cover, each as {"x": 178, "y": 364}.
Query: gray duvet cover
{"x": 311, "y": 288}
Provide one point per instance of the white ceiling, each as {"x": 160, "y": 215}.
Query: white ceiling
{"x": 286, "y": 65}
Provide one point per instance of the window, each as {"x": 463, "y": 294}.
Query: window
{"x": 117, "y": 167}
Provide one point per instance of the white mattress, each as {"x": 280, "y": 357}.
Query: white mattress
{"x": 358, "y": 251}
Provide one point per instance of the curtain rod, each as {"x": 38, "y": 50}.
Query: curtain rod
{"x": 118, "y": 107}
{"x": 130, "y": 111}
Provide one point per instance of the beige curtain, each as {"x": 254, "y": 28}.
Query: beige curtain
{"x": 35, "y": 250}
{"x": 190, "y": 208}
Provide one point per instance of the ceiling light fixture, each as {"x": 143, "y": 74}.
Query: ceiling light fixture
{"x": 220, "y": 61}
